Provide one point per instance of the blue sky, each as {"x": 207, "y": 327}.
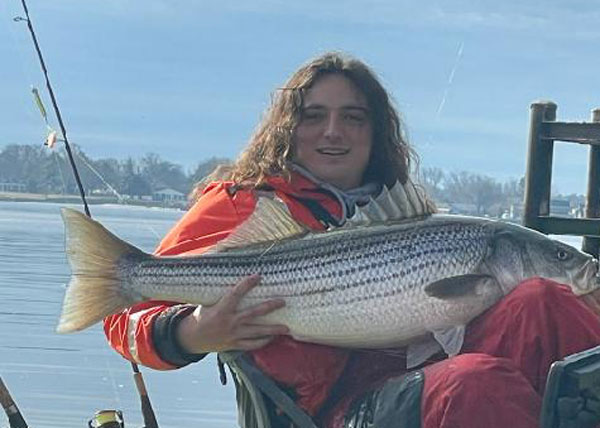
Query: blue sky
{"x": 190, "y": 80}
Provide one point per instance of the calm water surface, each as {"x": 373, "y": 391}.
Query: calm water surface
{"x": 61, "y": 380}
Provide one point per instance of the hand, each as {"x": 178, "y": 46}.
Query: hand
{"x": 224, "y": 327}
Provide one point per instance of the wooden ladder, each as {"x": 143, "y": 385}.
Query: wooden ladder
{"x": 544, "y": 130}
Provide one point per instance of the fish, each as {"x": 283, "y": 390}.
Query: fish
{"x": 395, "y": 274}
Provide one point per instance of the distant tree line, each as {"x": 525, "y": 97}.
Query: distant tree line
{"x": 43, "y": 170}
{"x": 484, "y": 194}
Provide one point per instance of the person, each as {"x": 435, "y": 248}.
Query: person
{"x": 330, "y": 140}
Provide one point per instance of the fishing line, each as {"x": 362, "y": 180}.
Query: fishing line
{"x": 120, "y": 197}
{"x": 62, "y": 178}
{"x": 113, "y": 382}
{"x": 23, "y": 63}
{"x": 51, "y": 140}
{"x": 57, "y": 113}
{"x": 51, "y": 137}
{"x": 147, "y": 411}
{"x": 151, "y": 229}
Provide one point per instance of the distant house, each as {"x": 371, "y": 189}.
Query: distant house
{"x": 12, "y": 187}
{"x": 560, "y": 207}
{"x": 168, "y": 196}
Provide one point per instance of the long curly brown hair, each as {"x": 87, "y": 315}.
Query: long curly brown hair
{"x": 271, "y": 147}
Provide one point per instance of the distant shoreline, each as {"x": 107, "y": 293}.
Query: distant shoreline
{"x": 74, "y": 199}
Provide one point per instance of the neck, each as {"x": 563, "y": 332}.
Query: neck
{"x": 347, "y": 197}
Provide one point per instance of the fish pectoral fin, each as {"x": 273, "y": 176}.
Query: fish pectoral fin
{"x": 450, "y": 339}
{"x": 459, "y": 286}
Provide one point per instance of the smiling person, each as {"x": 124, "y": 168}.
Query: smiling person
{"x": 331, "y": 140}
{"x": 334, "y": 138}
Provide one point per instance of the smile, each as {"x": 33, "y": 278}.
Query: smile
{"x": 333, "y": 151}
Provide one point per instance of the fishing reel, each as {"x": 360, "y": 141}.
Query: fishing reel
{"x": 107, "y": 419}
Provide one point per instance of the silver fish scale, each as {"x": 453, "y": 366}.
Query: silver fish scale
{"x": 337, "y": 268}
{"x": 358, "y": 286}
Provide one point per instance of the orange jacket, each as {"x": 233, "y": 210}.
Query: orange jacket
{"x": 309, "y": 369}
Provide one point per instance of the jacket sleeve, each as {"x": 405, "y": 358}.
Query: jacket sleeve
{"x": 144, "y": 333}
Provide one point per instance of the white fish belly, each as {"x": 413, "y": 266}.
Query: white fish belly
{"x": 380, "y": 321}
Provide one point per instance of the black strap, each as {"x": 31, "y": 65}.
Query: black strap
{"x": 280, "y": 398}
{"x": 270, "y": 389}
{"x": 316, "y": 209}
{"x": 319, "y": 212}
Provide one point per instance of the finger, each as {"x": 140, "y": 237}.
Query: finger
{"x": 233, "y": 297}
{"x": 260, "y": 309}
{"x": 252, "y": 344}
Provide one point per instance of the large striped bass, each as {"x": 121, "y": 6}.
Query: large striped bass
{"x": 375, "y": 283}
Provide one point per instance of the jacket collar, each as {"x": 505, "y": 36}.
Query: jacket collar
{"x": 303, "y": 183}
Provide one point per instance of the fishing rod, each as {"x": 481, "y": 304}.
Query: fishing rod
{"x": 15, "y": 418}
{"x": 55, "y": 105}
{"x": 147, "y": 410}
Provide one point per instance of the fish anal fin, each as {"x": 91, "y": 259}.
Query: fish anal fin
{"x": 459, "y": 286}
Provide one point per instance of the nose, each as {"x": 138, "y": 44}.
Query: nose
{"x": 333, "y": 127}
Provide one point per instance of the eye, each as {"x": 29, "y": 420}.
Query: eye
{"x": 562, "y": 255}
{"x": 312, "y": 116}
{"x": 355, "y": 118}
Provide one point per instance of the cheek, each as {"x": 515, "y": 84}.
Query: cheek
{"x": 364, "y": 151}
{"x": 304, "y": 139}
{"x": 300, "y": 147}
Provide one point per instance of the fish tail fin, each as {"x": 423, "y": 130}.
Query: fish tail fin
{"x": 96, "y": 289}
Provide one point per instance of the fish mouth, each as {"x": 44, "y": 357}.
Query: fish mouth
{"x": 587, "y": 278}
{"x": 333, "y": 151}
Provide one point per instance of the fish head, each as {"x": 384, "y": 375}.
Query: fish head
{"x": 563, "y": 263}
{"x": 549, "y": 258}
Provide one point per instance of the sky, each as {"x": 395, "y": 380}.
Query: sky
{"x": 190, "y": 80}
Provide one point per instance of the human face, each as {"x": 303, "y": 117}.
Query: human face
{"x": 334, "y": 137}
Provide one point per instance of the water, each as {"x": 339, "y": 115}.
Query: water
{"x": 61, "y": 380}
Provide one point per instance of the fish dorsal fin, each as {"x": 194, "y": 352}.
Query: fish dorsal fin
{"x": 400, "y": 202}
{"x": 270, "y": 222}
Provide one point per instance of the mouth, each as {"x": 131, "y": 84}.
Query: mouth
{"x": 333, "y": 151}
{"x": 588, "y": 277}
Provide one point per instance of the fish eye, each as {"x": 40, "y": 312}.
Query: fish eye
{"x": 562, "y": 254}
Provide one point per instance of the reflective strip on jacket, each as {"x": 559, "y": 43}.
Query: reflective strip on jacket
{"x": 308, "y": 369}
